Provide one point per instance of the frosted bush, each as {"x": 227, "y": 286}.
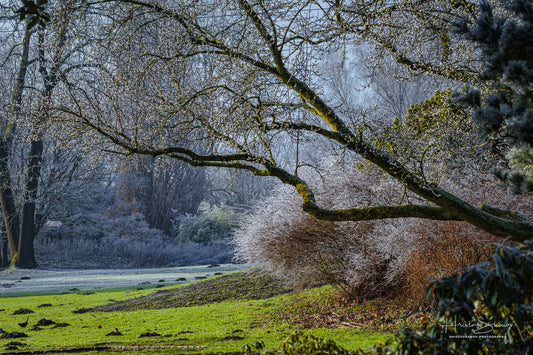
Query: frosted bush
{"x": 291, "y": 243}
{"x": 128, "y": 238}
{"x": 367, "y": 258}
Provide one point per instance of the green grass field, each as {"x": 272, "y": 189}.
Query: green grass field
{"x": 211, "y": 316}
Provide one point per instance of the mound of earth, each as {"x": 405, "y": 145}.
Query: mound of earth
{"x": 238, "y": 286}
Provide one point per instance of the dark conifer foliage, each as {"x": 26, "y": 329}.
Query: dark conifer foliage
{"x": 505, "y": 111}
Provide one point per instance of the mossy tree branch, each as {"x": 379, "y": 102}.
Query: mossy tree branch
{"x": 446, "y": 206}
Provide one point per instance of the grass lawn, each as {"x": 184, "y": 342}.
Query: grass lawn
{"x": 211, "y": 316}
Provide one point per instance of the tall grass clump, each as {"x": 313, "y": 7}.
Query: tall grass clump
{"x": 367, "y": 259}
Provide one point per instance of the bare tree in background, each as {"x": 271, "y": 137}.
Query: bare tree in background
{"x": 158, "y": 189}
{"x": 48, "y": 52}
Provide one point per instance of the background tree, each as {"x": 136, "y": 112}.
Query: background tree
{"x": 158, "y": 189}
{"x": 14, "y": 106}
{"x": 46, "y": 54}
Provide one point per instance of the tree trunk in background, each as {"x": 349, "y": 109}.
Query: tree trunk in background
{"x": 4, "y": 257}
{"x": 26, "y": 254}
{"x": 7, "y": 199}
{"x": 28, "y": 229}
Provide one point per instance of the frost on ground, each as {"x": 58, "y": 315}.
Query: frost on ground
{"x": 24, "y": 281}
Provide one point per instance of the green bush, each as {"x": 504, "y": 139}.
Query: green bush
{"x": 439, "y": 133}
{"x": 213, "y": 223}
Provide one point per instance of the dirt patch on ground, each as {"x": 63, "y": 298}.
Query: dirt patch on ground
{"x": 239, "y": 286}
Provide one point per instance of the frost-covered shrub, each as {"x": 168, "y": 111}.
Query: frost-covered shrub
{"x": 121, "y": 252}
{"x": 86, "y": 225}
{"x": 97, "y": 226}
{"x": 367, "y": 258}
{"x": 126, "y": 238}
{"x": 482, "y": 310}
{"x": 213, "y": 223}
{"x": 356, "y": 256}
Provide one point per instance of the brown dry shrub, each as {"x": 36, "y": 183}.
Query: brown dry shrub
{"x": 380, "y": 258}
{"x": 448, "y": 247}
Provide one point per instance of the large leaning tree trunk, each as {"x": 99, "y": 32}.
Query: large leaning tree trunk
{"x": 263, "y": 82}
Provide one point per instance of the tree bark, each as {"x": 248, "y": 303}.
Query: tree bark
{"x": 26, "y": 254}
{"x": 7, "y": 199}
{"x": 4, "y": 257}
